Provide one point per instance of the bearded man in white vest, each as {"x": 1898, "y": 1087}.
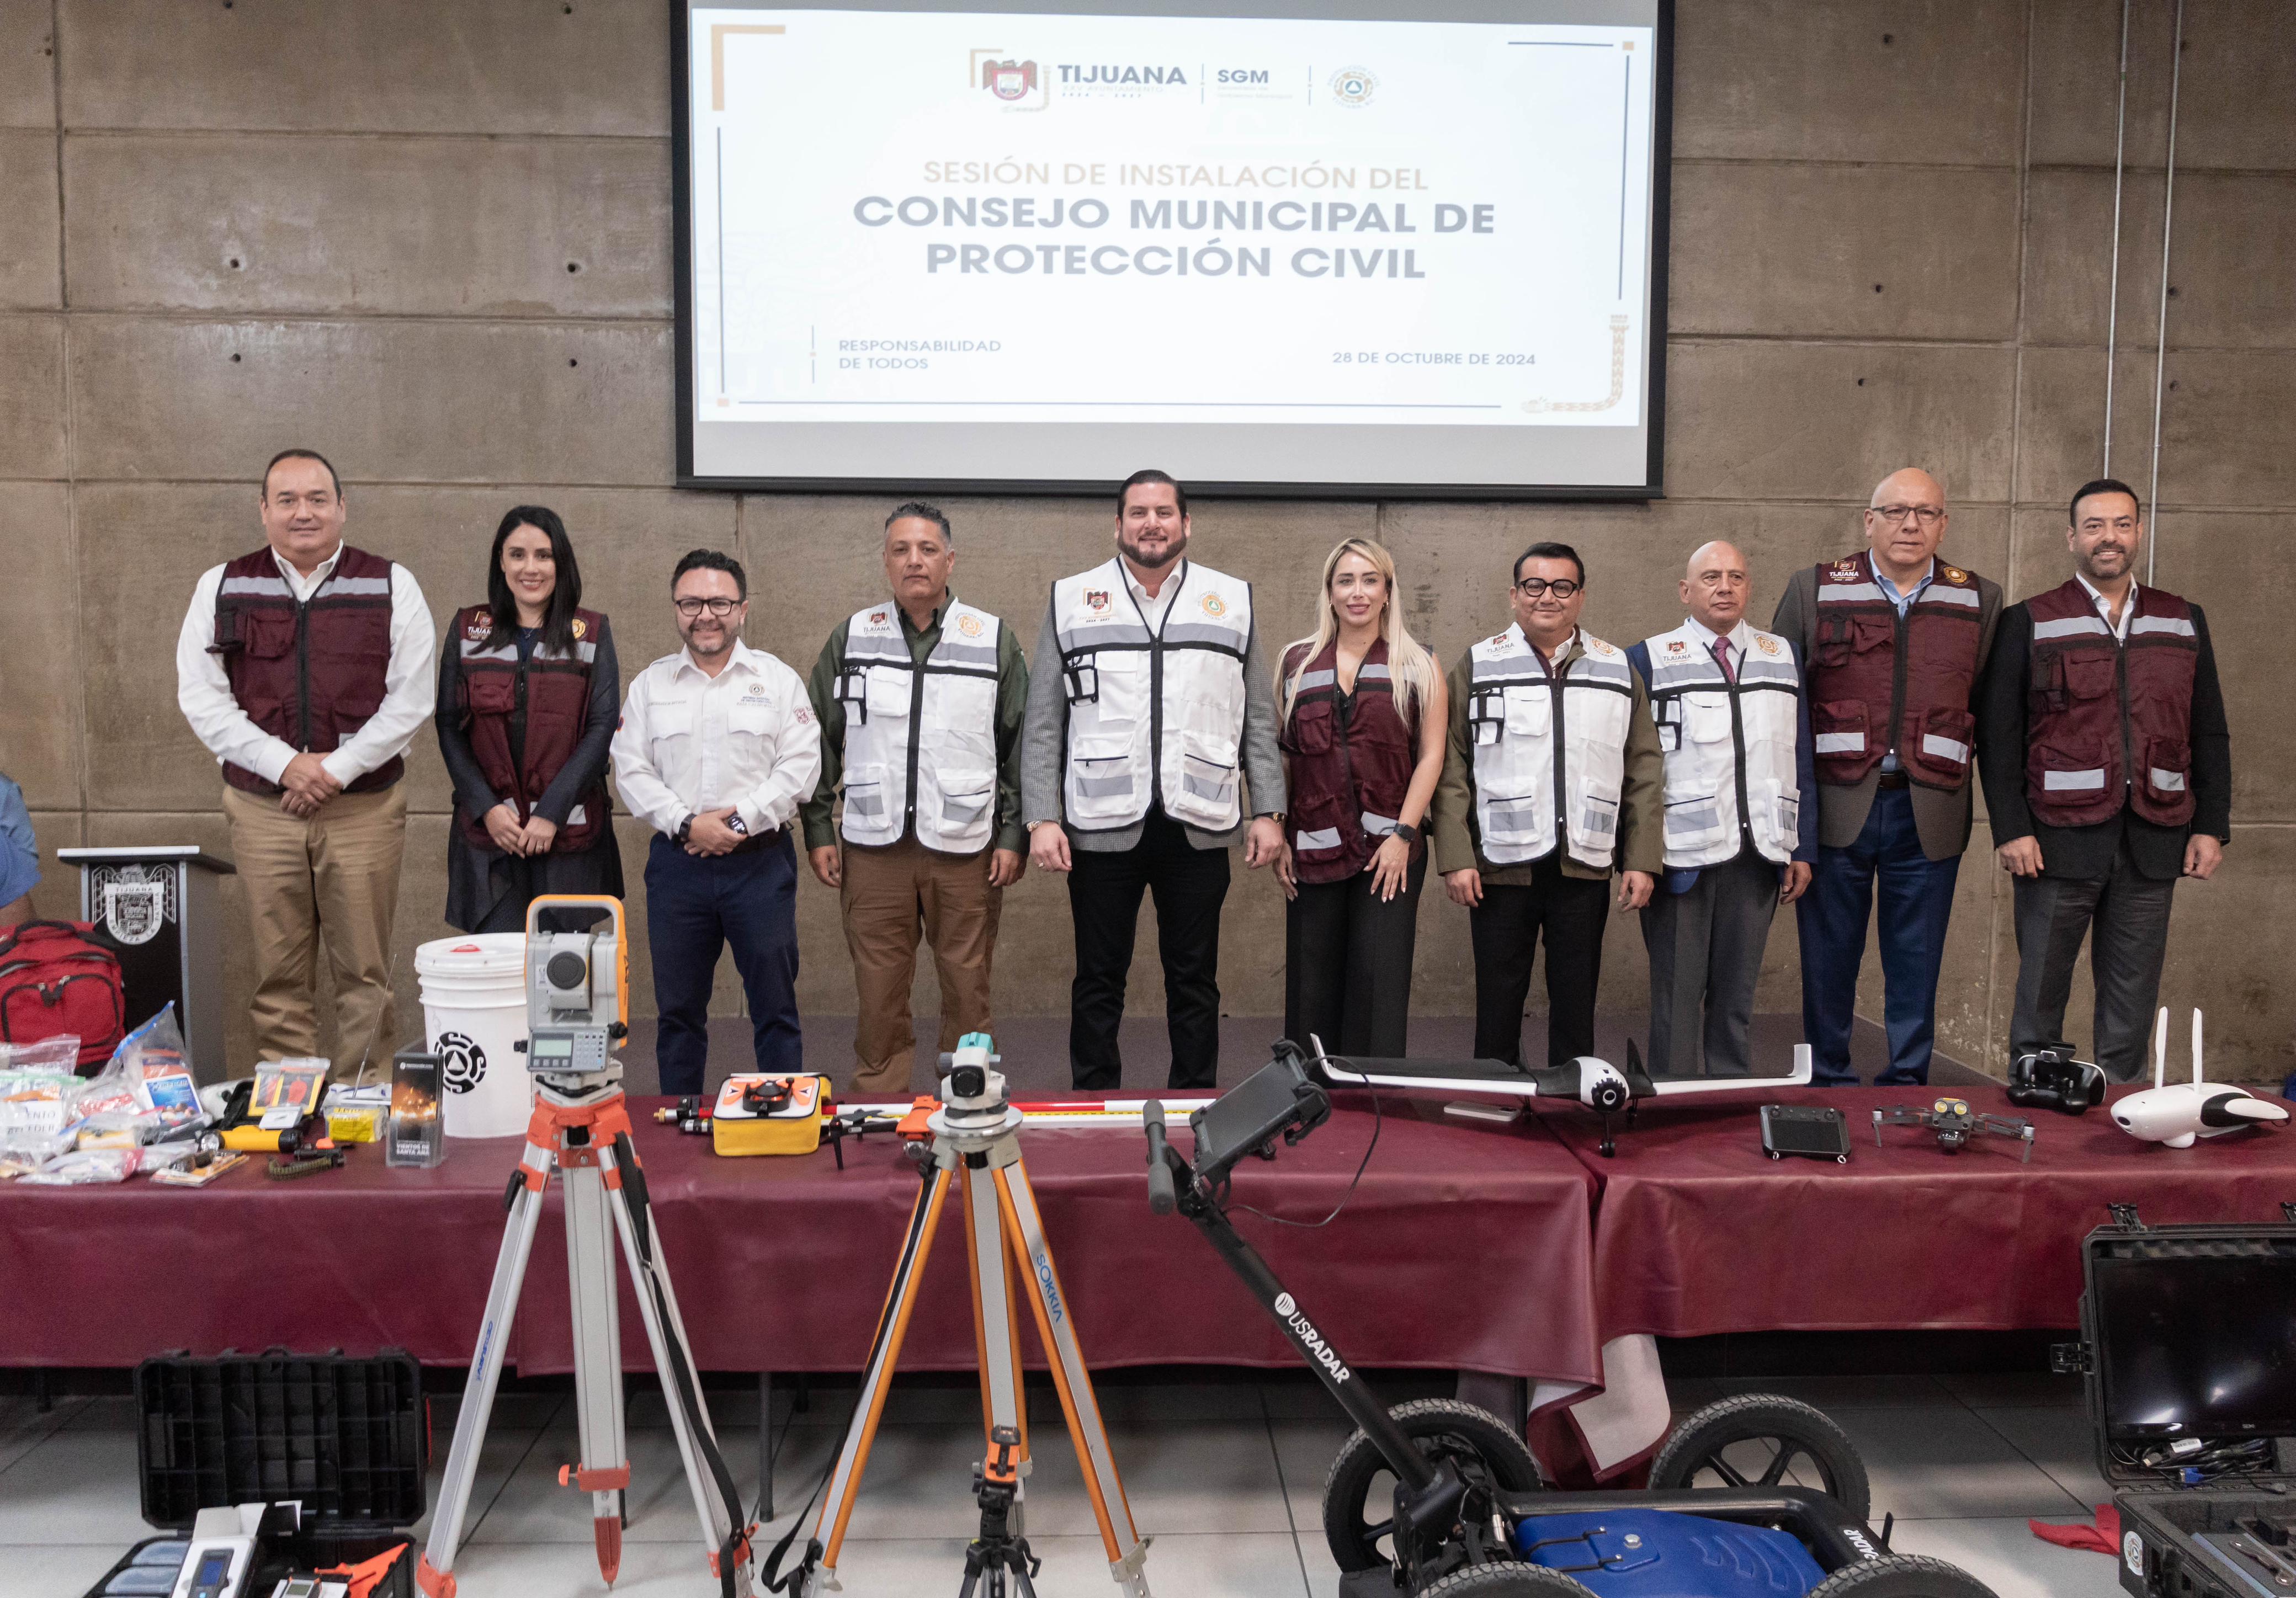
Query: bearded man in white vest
{"x": 1741, "y": 827}
{"x": 1150, "y": 750}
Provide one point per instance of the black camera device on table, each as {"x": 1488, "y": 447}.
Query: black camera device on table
{"x": 2186, "y": 1340}
{"x": 2050, "y": 1078}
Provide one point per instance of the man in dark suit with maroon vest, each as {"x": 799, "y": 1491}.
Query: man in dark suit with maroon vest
{"x": 2108, "y": 775}
{"x": 1892, "y": 642}
{"x": 305, "y": 667}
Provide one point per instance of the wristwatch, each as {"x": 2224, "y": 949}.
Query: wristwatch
{"x": 685, "y": 831}
{"x": 1406, "y": 831}
{"x": 737, "y": 824}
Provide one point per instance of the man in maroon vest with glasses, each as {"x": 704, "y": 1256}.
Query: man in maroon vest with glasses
{"x": 305, "y": 668}
{"x": 2108, "y": 775}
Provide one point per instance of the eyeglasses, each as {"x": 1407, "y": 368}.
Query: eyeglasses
{"x": 1927, "y": 515}
{"x": 1539, "y": 587}
{"x": 719, "y": 608}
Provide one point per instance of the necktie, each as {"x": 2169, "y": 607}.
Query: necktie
{"x": 1722, "y": 659}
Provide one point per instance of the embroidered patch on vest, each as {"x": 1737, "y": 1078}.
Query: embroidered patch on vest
{"x": 1095, "y": 599}
{"x": 580, "y": 626}
{"x": 970, "y": 625}
{"x": 876, "y": 619}
{"x": 1215, "y": 606}
{"x": 1765, "y": 644}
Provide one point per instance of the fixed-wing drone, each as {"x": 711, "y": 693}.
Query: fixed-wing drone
{"x": 1597, "y": 1084}
{"x": 2174, "y": 1113}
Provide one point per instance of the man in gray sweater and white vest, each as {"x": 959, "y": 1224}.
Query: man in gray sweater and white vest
{"x": 1150, "y": 748}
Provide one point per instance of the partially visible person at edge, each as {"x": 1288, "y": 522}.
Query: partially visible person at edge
{"x": 1892, "y": 642}
{"x": 1551, "y": 781}
{"x": 529, "y": 688}
{"x": 305, "y": 668}
{"x": 1363, "y": 710}
{"x": 20, "y": 856}
{"x": 920, "y": 699}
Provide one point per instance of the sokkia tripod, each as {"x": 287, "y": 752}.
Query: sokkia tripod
{"x": 977, "y": 1131}
{"x": 581, "y": 1129}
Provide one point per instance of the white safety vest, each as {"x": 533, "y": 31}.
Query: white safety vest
{"x": 1518, "y": 712}
{"x": 1729, "y": 751}
{"x": 1152, "y": 712}
{"x": 920, "y": 739}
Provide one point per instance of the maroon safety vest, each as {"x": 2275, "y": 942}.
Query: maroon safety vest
{"x": 310, "y": 673}
{"x": 1347, "y": 785}
{"x": 554, "y": 690}
{"x": 2106, "y": 723}
{"x": 1922, "y": 666}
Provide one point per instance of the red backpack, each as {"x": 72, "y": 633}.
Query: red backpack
{"x": 55, "y": 978}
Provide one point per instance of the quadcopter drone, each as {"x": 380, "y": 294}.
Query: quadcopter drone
{"x": 1955, "y": 1124}
{"x": 1597, "y": 1084}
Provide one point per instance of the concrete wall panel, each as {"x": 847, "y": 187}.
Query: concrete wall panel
{"x": 493, "y": 227}
{"x": 2077, "y": 84}
{"x": 389, "y": 66}
{"x": 28, "y": 67}
{"x": 2060, "y": 422}
{"x": 1763, "y": 421}
{"x": 31, "y": 396}
{"x": 1935, "y": 81}
{"x": 394, "y": 400}
{"x": 31, "y": 273}
{"x": 57, "y": 897}
{"x": 40, "y": 661}
{"x": 1843, "y": 251}
{"x": 2067, "y": 273}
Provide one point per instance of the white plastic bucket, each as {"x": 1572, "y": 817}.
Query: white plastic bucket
{"x": 474, "y": 1015}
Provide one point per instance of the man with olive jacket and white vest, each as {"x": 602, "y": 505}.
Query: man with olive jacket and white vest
{"x": 1741, "y": 815}
{"x": 1552, "y": 779}
{"x": 920, "y": 700}
{"x": 1150, "y": 741}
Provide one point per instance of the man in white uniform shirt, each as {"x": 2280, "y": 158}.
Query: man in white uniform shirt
{"x": 717, "y": 748}
{"x": 305, "y": 667}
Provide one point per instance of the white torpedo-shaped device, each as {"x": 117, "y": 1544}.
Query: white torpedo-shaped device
{"x": 2175, "y": 1114}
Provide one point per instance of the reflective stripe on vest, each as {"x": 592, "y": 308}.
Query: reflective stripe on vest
{"x": 1513, "y": 706}
{"x": 933, "y": 723}
{"x": 1126, "y": 741}
{"x": 2109, "y": 723}
{"x": 1858, "y": 712}
{"x": 1702, "y": 722}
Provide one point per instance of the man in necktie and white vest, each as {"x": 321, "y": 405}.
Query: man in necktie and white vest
{"x": 1150, "y": 750}
{"x": 919, "y": 697}
{"x": 2108, "y": 776}
{"x": 306, "y": 669}
{"x": 1891, "y": 641}
{"x": 1740, "y": 826}
{"x": 1550, "y": 783}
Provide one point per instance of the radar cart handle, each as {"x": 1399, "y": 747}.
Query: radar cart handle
{"x": 1160, "y": 1196}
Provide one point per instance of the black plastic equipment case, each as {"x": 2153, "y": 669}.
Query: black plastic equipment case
{"x": 348, "y": 1439}
{"x": 2160, "y": 1517}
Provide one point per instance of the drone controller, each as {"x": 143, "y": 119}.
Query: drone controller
{"x": 2050, "y": 1078}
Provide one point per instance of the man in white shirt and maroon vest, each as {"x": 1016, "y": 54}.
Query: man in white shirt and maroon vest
{"x": 1892, "y": 642}
{"x": 305, "y": 668}
{"x": 2108, "y": 775}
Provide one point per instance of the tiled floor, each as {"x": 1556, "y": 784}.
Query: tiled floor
{"x": 1226, "y": 1478}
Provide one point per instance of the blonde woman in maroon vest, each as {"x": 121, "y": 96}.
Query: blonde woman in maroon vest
{"x": 528, "y": 690}
{"x": 305, "y": 668}
{"x": 1363, "y": 710}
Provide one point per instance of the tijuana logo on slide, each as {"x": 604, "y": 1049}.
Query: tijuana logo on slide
{"x": 1009, "y": 80}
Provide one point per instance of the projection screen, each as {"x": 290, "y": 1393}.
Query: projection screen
{"x": 1354, "y": 248}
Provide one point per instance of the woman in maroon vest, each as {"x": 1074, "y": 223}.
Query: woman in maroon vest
{"x": 529, "y": 689}
{"x": 1365, "y": 714}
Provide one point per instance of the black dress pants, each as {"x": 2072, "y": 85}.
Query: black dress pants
{"x": 1104, "y": 891}
{"x": 1347, "y": 964}
{"x": 1505, "y": 928}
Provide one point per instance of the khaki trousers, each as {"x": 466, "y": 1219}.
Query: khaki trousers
{"x": 331, "y": 880}
{"x": 889, "y": 894}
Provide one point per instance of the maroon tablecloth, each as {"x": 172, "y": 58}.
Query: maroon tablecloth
{"x": 1463, "y": 1248}
{"x": 1697, "y": 1232}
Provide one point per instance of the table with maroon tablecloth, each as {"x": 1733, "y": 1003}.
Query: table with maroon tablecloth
{"x": 1464, "y": 1248}
{"x": 1697, "y": 1232}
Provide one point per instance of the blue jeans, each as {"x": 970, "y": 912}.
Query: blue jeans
{"x": 695, "y": 905}
{"x": 1917, "y": 901}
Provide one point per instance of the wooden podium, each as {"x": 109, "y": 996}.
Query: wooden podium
{"x": 157, "y": 906}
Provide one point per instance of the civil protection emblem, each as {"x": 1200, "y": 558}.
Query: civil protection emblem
{"x": 463, "y": 1061}
{"x": 1767, "y": 645}
{"x": 580, "y": 626}
{"x": 137, "y": 902}
{"x": 1215, "y": 606}
{"x": 970, "y": 625}
{"x": 1954, "y": 574}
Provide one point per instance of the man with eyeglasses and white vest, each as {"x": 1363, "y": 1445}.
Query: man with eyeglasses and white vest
{"x": 2108, "y": 776}
{"x": 1892, "y": 642}
{"x": 1150, "y": 749}
{"x": 1551, "y": 780}
{"x": 1741, "y": 822}
{"x": 920, "y": 698}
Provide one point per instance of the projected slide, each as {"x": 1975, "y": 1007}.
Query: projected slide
{"x": 1039, "y": 249}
